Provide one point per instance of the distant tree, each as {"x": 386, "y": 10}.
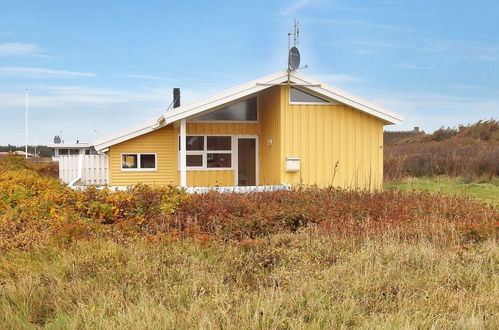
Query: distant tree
{"x": 41, "y": 150}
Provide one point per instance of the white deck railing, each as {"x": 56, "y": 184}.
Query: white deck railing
{"x": 83, "y": 169}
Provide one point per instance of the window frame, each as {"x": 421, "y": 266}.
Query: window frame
{"x": 139, "y": 162}
{"x": 311, "y": 93}
{"x": 63, "y": 154}
{"x": 205, "y": 153}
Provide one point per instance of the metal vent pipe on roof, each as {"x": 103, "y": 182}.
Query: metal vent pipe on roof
{"x": 176, "y": 97}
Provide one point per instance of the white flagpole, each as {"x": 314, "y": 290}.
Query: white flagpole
{"x": 26, "y": 147}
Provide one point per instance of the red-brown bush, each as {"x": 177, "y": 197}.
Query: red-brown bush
{"x": 338, "y": 212}
{"x": 36, "y": 209}
{"x": 469, "y": 151}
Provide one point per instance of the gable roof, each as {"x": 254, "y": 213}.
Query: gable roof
{"x": 246, "y": 89}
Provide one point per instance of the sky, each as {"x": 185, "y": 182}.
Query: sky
{"x": 93, "y": 68}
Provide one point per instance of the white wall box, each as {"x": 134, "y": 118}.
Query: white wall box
{"x": 292, "y": 164}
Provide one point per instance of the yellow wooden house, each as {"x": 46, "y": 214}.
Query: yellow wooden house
{"x": 283, "y": 129}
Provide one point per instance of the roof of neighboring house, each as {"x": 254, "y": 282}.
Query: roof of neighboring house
{"x": 80, "y": 145}
{"x": 244, "y": 90}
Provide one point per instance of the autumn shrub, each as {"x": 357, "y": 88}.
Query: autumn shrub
{"x": 42, "y": 167}
{"x": 139, "y": 203}
{"x": 35, "y": 209}
{"x": 468, "y": 151}
{"x": 340, "y": 213}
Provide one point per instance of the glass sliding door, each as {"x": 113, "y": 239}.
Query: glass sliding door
{"x": 246, "y": 159}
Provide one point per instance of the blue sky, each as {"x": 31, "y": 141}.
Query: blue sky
{"x": 96, "y": 67}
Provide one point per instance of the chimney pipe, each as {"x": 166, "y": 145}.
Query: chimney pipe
{"x": 176, "y": 97}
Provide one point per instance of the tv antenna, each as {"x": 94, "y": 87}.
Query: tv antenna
{"x": 293, "y": 52}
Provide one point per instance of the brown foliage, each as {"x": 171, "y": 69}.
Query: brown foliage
{"x": 37, "y": 210}
{"x": 469, "y": 151}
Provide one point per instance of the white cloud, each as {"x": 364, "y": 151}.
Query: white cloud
{"x": 412, "y": 66}
{"x": 147, "y": 77}
{"x": 295, "y": 6}
{"x": 360, "y": 23}
{"x": 433, "y": 110}
{"x": 339, "y": 78}
{"x": 16, "y": 48}
{"x": 452, "y": 50}
{"x": 40, "y": 73}
{"x": 78, "y": 110}
{"x": 68, "y": 97}
{"x": 466, "y": 86}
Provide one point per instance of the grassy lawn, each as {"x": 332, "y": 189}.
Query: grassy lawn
{"x": 285, "y": 281}
{"x": 488, "y": 191}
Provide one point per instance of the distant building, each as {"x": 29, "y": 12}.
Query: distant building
{"x": 18, "y": 153}
{"x": 392, "y": 136}
{"x": 71, "y": 149}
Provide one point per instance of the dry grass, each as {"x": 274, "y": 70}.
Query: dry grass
{"x": 298, "y": 280}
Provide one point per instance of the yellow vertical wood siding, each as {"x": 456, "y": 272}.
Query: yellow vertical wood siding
{"x": 270, "y": 123}
{"x": 337, "y": 145}
{"x": 160, "y": 142}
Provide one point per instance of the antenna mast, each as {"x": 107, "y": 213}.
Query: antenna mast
{"x": 26, "y": 124}
{"x": 293, "y": 52}
{"x": 296, "y": 33}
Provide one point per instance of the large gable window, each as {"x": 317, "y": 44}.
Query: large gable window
{"x": 246, "y": 110}
{"x": 299, "y": 96}
{"x": 208, "y": 152}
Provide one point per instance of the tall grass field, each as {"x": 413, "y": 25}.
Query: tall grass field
{"x": 157, "y": 258}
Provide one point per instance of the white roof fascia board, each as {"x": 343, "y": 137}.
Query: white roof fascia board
{"x": 125, "y": 135}
{"x": 346, "y": 98}
{"x": 224, "y": 97}
{"x": 246, "y": 89}
{"x": 277, "y": 79}
{"x": 69, "y": 145}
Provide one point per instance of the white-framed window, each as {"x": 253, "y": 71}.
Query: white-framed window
{"x": 208, "y": 152}
{"x": 138, "y": 162}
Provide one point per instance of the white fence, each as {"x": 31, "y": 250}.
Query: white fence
{"x": 83, "y": 169}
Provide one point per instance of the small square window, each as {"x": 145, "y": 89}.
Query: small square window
{"x": 74, "y": 151}
{"x": 218, "y": 160}
{"x": 194, "y": 160}
{"x": 218, "y": 142}
{"x": 63, "y": 152}
{"x": 148, "y": 161}
{"x": 129, "y": 161}
{"x": 194, "y": 143}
